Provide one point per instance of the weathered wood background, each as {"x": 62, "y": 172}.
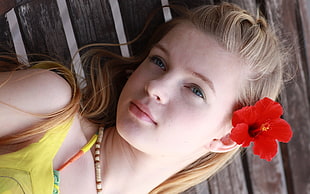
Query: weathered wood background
{"x": 59, "y": 27}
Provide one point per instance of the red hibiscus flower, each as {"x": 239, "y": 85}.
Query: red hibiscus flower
{"x": 262, "y": 125}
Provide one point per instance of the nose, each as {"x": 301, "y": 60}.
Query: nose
{"x": 158, "y": 90}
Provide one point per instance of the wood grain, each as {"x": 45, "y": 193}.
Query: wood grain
{"x": 193, "y": 3}
{"x": 266, "y": 177}
{"x": 295, "y": 97}
{"x": 229, "y": 180}
{"x": 135, "y": 14}
{"x": 6, "y": 42}
{"x": 92, "y": 22}
{"x": 189, "y": 4}
{"x": 42, "y": 30}
{"x": 303, "y": 15}
{"x": 250, "y": 6}
{"x": 202, "y": 188}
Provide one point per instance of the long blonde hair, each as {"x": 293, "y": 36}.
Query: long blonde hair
{"x": 236, "y": 30}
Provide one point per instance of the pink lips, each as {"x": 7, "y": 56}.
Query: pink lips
{"x": 141, "y": 111}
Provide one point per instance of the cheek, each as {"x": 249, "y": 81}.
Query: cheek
{"x": 134, "y": 83}
{"x": 188, "y": 122}
{"x": 202, "y": 122}
{"x": 187, "y": 136}
{"x": 137, "y": 78}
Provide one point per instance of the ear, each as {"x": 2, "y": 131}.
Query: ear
{"x": 222, "y": 145}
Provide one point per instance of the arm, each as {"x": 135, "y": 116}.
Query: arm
{"x": 34, "y": 91}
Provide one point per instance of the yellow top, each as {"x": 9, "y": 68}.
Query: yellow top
{"x": 30, "y": 170}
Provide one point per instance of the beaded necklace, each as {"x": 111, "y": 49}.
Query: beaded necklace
{"x": 96, "y": 139}
{"x": 97, "y": 161}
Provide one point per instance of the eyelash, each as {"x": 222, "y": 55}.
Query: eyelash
{"x": 196, "y": 90}
{"x": 159, "y": 62}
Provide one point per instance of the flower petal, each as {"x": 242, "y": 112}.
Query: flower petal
{"x": 280, "y": 130}
{"x": 268, "y": 109}
{"x": 264, "y": 147}
{"x": 245, "y": 115}
{"x": 240, "y": 135}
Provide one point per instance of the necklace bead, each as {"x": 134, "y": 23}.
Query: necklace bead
{"x": 97, "y": 161}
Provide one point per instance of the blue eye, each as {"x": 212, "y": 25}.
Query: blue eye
{"x": 159, "y": 62}
{"x": 197, "y": 91}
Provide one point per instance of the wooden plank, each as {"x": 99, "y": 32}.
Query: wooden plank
{"x": 21, "y": 2}
{"x": 134, "y": 14}
{"x": 295, "y": 98}
{"x": 6, "y": 5}
{"x": 92, "y": 22}
{"x": 42, "y": 30}
{"x": 229, "y": 180}
{"x": 202, "y": 188}
{"x": 191, "y": 4}
{"x": 250, "y": 6}
{"x": 266, "y": 177}
{"x": 303, "y": 15}
{"x": 6, "y": 42}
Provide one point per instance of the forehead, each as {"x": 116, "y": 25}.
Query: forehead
{"x": 190, "y": 43}
{"x": 187, "y": 36}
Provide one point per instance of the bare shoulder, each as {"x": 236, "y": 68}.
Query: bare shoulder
{"x": 34, "y": 91}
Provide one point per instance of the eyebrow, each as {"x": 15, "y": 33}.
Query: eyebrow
{"x": 161, "y": 47}
{"x": 195, "y": 74}
{"x": 205, "y": 79}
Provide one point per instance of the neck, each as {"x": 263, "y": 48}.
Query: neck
{"x": 127, "y": 170}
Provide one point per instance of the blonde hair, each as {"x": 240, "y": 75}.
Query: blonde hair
{"x": 253, "y": 40}
{"x": 257, "y": 45}
{"x": 236, "y": 30}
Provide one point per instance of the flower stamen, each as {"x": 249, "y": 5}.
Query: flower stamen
{"x": 265, "y": 127}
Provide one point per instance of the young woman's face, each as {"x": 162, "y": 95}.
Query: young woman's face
{"x": 182, "y": 95}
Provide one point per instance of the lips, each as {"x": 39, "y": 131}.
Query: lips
{"x": 141, "y": 111}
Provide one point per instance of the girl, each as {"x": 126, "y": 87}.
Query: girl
{"x": 166, "y": 129}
